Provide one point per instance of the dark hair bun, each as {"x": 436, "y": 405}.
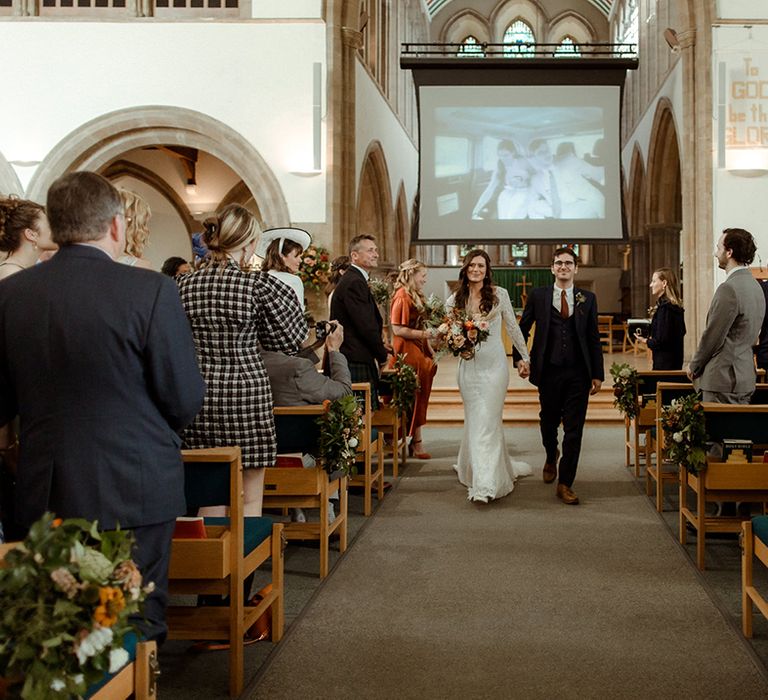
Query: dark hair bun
{"x": 211, "y": 232}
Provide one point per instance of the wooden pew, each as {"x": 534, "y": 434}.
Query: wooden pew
{"x": 654, "y": 472}
{"x": 645, "y": 419}
{"x": 725, "y": 481}
{"x": 754, "y": 543}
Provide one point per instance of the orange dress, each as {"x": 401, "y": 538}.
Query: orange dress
{"x": 417, "y": 354}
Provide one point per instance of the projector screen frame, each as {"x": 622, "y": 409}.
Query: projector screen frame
{"x": 487, "y": 71}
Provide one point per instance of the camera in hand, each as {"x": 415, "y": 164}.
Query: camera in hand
{"x": 324, "y": 328}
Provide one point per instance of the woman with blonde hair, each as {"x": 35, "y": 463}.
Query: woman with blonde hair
{"x": 24, "y": 234}
{"x": 665, "y": 339}
{"x": 137, "y": 215}
{"x": 233, "y": 311}
{"x": 411, "y": 338}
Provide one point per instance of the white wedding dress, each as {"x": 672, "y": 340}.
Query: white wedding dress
{"x": 484, "y": 466}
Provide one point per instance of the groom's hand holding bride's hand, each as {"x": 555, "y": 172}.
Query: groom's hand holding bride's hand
{"x": 523, "y": 368}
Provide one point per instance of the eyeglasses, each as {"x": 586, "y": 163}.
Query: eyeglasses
{"x": 564, "y": 263}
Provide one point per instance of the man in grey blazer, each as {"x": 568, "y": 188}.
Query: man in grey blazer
{"x": 723, "y": 367}
{"x": 97, "y": 360}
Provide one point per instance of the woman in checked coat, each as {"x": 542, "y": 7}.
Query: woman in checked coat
{"x": 233, "y": 311}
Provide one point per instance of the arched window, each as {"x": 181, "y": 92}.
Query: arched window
{"x": 470, "y": 47}
{"x": 629, "y": 24}
{"x": 568, "y": 48}
{"x": 516, "y": 39}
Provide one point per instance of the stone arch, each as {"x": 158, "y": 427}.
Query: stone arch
{"x": 636, "y": 284}
{"x": 124, "y": 168}
{"x": 97, "y": 143}
{"x": 402, "y": 231}
{"x": 506, "y": 12}
{"x": 571, "y": 24}
{"x": 664, "y": 200}
{"x": 636, "y": 193}
{"x": 374, "y": 203}
{"x": 240, "y": 194}
{"x": 9, "y": 181}
{"x": 465, "y": 23}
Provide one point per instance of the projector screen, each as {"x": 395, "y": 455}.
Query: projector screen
{"x": 519, "y": 162}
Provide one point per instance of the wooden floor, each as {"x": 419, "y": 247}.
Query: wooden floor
{"x": 522, "y": 403}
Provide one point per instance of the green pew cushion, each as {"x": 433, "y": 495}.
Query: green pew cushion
{"x": 256, "y": 531}
{"x": 760, "y": 528}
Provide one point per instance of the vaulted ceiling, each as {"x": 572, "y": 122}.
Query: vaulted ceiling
{"x": 435, "y": 6}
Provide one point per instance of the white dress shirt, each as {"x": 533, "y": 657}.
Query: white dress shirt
{"x": 556, "y": 294}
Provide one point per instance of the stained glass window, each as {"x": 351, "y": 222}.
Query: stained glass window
{"x": 516, "y": 39}
{"x": 470, "y": 47}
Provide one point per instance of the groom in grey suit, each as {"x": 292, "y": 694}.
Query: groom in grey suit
{"x": 723, "y": 367}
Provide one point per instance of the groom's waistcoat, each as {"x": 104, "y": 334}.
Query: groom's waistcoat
{"x": 562, "y": 342}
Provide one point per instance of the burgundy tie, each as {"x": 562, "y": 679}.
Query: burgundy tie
{"x": 563, "y": 304}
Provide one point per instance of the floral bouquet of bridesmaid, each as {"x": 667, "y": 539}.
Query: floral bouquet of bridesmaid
{"x": 434, "y": 313}
{"x": 463, "y": 333}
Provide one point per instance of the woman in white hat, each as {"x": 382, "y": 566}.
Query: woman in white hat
{"x": 281, "y": 249}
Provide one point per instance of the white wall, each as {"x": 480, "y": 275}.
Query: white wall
{"x": 740, "y": 200}
{"x": 302, "y": 9}
{"x": 239, "y": 73}
{"x": 741, "y": 9}
{"x": 375, "y": 120}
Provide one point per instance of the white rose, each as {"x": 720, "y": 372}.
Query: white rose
{"x": 677, "y": 437}
{"x": 352, "y": 442}
{"x": 625, "y": 373}
{"x": 57, "y": 684}
{"x": 117, "y": 659}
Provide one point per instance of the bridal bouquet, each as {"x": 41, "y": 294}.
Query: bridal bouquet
{"x": 65, "y": 597}
{"x": 463, "y": 333}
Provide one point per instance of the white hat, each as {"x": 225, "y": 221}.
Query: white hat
{"x": 297, "y": 235}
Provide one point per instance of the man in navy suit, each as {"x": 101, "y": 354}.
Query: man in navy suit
{"x": 97, "y": 360}
{"x": 566, "y": 366}
{"x": 353, "y": 306}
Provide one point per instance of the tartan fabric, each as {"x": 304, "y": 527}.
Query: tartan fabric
{"x": 364, "y": 372}
{"x": 231, "y": 313}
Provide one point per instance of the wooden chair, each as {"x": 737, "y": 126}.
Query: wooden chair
{"x": 605, "y": 328}
{"x": 371, "y": 441}
{"x": 654, "y": 471}
{"x": 645, "y": 420}
{"x": 218, "y": 564}
{"x": 306, "y": 488}
{"x": 754, "y": 543}
{"x": 725, "y": 481}
{"x": 137, "y": 679}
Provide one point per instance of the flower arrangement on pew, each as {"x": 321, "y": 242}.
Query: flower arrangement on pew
{"x": 625, "y": 388}
{"x": 314, "y": 268}
{"x": 66, "y": 595}
{"x": 685, "y": 433}
{"x": 340, "y": 434}
{"x": 463, "y": 333}
{"x": 405, "y": 384}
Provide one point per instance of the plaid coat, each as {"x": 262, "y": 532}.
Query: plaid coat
{"x": 231, "y": 313}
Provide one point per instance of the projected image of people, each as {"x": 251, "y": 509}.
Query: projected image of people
{"x": 535, "y": 183}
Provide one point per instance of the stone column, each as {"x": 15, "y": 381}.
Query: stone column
{"x": 696, "y": 170}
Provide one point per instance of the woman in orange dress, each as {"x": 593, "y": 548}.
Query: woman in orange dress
{"x": 412, "y": 339}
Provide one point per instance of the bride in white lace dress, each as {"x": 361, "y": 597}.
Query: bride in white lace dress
{"x": 484, "y": 465}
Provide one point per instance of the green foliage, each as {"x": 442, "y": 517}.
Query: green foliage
{"x": 340, "y": 434}
{"x": 685, "y": 432}
{"x": 625, "y": 388}
{"x": 381, "y": 291}
{"x": 405, "y": 384}
{"x": 65, "y": 598}
{"x": 434, "y": 312}
{"x": 314, "y": 267}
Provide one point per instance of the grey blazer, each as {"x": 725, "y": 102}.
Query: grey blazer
{"x": 724, "y": 361}
{"x": 295, "y": 381}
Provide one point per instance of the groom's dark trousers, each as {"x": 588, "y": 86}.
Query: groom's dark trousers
{"x": 565, "y": 357}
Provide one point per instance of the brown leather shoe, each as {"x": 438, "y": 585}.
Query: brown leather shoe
{"x": 566, "y": 495}
{"x": 550, "y": 470}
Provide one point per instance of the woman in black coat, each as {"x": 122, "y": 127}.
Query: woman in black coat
{"x": 667, "y": 321}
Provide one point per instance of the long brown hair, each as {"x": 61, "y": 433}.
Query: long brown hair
{"x": 487, "y": 295}
{"x": 273, "y": 258}
{"x": 672, "y": 292}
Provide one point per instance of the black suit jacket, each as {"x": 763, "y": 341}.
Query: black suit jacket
{"x": 98, "y": 361}
{"x": 667, "y": 335}
{"x": 538, "y": 309}
{"x": 353, "y": 306}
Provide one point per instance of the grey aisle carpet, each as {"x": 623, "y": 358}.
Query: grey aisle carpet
{"x": 521, "y": 598}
